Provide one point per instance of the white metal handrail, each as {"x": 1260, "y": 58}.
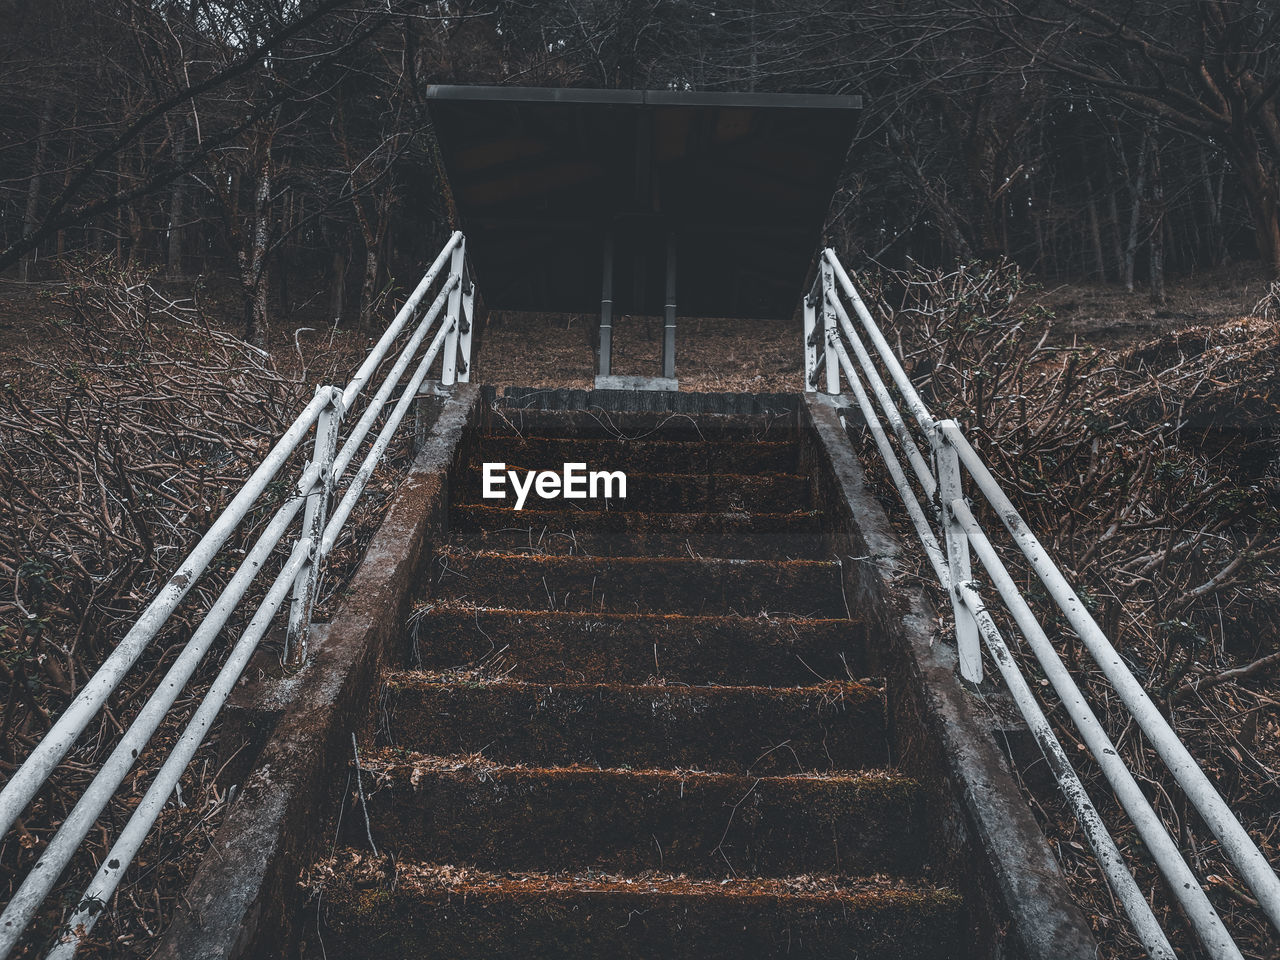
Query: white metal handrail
{"x": 941, "y": 484}
{"x": 298, "y": 578}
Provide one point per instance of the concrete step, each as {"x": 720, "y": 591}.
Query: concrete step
{"x": 467, "y": 810}
{"x": 632, "y": 425}
{"x": 686, "y": 585}
{"x": 558, "y": 647}
{"x": 654, "y": 493}
{"x": 628, "y": 533}
{"x": 642, "y": 456}
{"x": 374, "y": 910}
{"x": 757, "y": 730}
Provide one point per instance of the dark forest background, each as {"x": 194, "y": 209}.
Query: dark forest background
{"x": 273, "y": 159}
{"x": 285, "y": 143}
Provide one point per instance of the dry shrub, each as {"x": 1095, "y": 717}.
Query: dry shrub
{"x": 1150, "y": 475}
{"x": 142, "y": 422}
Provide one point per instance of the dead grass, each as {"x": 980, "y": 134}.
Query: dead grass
{"x": 712, "y": 355}
{"x": 1151, "y": 472}
{"x": 127, "y": 420}
{"x": 1092, "y": 313}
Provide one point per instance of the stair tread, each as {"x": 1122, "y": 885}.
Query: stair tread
{"x": 388, "y": 763}
{"x": 453, "y": 606}
{"x": 733, "y": 534}
{"x": 558, "y": 645}
{"x": 575, "y": 561}
{"x": 475, "y": 681}
{"x": 377, "y": 910}
{"x": 724, "y": 728}
{"x": 360, "y": 869}
{"x": 706, "y": 823}
{"x": 498, "y": 578}
{"x": 630, "y": 425}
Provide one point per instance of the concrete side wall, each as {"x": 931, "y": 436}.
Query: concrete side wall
{"x": 244, "y": 899}
{"x": 1019, "y": 906}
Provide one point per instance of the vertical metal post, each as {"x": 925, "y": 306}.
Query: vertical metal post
{"x": 669, "y": 312}
{"x": 811, "y": 334}
{"x": 829, "y": 329}
{"x": 950, "y": 487}
{"x": 449, "y": 368}
{"x": 315, "y": 516}
{"x": 467, "y": 318}
{"x": 606, "y": 309}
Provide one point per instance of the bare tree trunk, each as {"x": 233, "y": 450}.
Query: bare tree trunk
{"x": 1157, "y": 233}
{"x": 131, "y": 222}
{"x": 284, "y": 255}
{"x": 1039, "y": 229}
{"x": 338, "y": 290}
{"x": 253, "y": 262}
{"x": 176, "y": 197}
{"x": 32, "y": 213}
{"x": 1137, "y": 186}
{"x": 1113, "y": 218}
{"x": 282, "y": 281}
{"x": 60, "y": 244}
{"x": 1213, "y": 203}
{"x": 1262, "y": 187}
{"x": 1095, "y": 236}
{"x": 369, "y": 289}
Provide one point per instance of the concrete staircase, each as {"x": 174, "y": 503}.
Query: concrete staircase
{"x": 638, "y": 729}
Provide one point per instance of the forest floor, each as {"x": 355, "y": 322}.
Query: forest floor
{"x": 731, "y": 356}
{"x": 711, "y": 354}
{"x": 1104, "y": 314}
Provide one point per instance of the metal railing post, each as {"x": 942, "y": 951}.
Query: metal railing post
{"x": 466, "y": 319}
{"x": 449, "y": 367}
{"x": 314, "y": 518}
{"x": 811, "y": 334}
{"x": 950, "y": 487}
{"x": 830, "y": 332}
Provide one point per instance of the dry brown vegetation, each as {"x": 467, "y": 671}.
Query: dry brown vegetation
{"x": 712, "y": 355}
{"x": 126, "y": 425}
{"x": 1151, "y": 472}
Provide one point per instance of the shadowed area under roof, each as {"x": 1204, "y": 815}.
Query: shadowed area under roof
{"x": 741, "y": 182}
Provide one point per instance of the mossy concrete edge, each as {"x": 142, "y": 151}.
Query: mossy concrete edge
{"x": 242, "y": 902}
{"x": 1019, "y": 906}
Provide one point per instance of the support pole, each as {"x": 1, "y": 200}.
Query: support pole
{"x": 830, "y": 333}
{"x": 449, "y": 365}
{"x": 811, "y": 335}
{"x": 947, "y": 463}
{"x": 606, "y": 309}
{"x": 466, "y": 319}
{"x": 669, "y": 313}
{"x": 314, "y": 517}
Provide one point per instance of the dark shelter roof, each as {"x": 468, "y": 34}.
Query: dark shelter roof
{"x": 541, "y": 176}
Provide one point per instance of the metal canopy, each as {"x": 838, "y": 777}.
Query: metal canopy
{"x": 544, "y": 179}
